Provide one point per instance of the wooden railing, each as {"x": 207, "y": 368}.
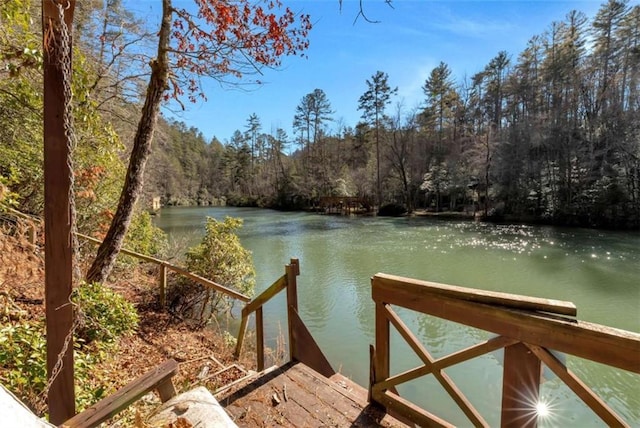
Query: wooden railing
{"x": 162, "y": 277}
{"x": 287, "y": 281}
{"x": 302, "y": 347}
{"x": 527, "y": 328}
{"x": 159, "y": 379}
{"x": 33, "y": 223}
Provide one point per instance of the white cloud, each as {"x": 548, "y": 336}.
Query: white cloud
{"x": 471, "y": 27}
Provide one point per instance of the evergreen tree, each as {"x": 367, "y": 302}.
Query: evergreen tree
{"x": 311, "y": 114}
{"x": 253, "y": 128}
{"x": 373, "y": 103}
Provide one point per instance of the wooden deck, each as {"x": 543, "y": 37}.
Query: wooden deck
{"x": 294, "y": 395}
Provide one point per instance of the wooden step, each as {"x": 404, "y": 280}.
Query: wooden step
{"x": 294, "y": 395}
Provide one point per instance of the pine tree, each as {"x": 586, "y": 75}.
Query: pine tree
{"x": 373, "y": 103}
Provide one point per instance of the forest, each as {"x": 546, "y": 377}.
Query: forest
{"x": 550, "y": 134}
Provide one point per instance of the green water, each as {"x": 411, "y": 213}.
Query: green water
{"x": 597, "y": 270}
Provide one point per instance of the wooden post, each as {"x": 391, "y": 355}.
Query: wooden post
{"x": 57, "y": 215}
{"x": 520, "y": 387}
{"x": 382, "y": 354}
{"x": 162, "y": 280}
{"x": 260, "y": 339}
{"x": 32, "y": 232}
{"x": 166, "y": 390}
{"x": 241, "y": 333}
{"x": 372, "y": 372}
{"x": 292, "y": 270}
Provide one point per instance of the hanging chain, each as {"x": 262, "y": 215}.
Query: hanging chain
{"x": 69, "y": 131}
{"x": 62, "y": 52}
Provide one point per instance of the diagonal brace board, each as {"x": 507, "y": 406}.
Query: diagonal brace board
{"x": 461, "y": 356}
{"x": 577, "y": 386}
{"x": 446, "y": 382}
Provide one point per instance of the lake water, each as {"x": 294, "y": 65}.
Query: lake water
{"x": 599, "y": 271}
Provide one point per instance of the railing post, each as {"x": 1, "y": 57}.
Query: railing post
{"x": 32, "y": 233}
{"x": 241, "y": 333}
{"x": 292, "y": 270}
{"x": 520, "y": 387}
{"x": 260, "y": 339}
{"x": 372, "y": 372}
{"x": 162, "y": 280}
{"x": 381, "y": 352}
{"x": 382, "y": 344}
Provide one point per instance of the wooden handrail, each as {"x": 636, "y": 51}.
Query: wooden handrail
{"x": 279, "y": 285}
{"x": 165, "y": 265}
{"x": 256, "y": 306}
{"x": 423, "y": 289}
{"x": 204, "y": 281}
{"x": 302, "y": 346}
{"x": 30, "y": 219}
{"x": 606, "y": 345}
{"x": 159, "y": 379}
{"x": 527, "y": 328}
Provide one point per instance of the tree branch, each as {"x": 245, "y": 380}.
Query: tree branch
{"x": 363, "y": 15}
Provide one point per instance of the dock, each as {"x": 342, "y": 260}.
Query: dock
{"x": 344, "y": 205}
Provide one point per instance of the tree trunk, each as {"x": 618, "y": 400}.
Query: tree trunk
{"x": 110, "y": 247}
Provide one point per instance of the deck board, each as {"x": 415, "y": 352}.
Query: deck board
{"x": 312, "y": 400}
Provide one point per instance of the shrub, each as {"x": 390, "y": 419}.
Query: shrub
{"x": 7, "y": 198}
{"x": 23, "y": 356}
{"x": 219, "y": 257}
{"x": 143, "y": 237}
{"x": 104, "y": 314}
{"x": 23, "y": 366}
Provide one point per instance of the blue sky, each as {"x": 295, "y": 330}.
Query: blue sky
{"x": 408, "y": 42}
